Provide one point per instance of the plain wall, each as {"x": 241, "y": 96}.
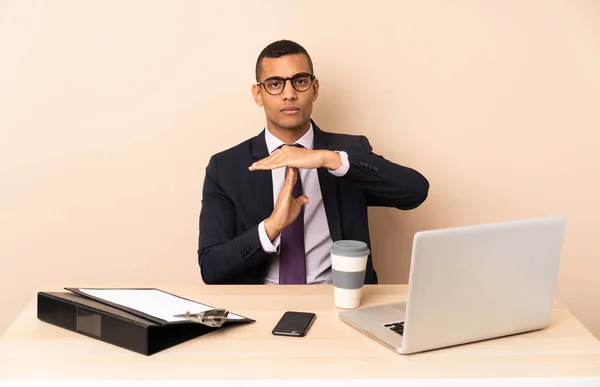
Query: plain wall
{"x": 110, "y": 110}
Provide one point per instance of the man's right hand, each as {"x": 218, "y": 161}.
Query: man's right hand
{"x": 287, "y": 208}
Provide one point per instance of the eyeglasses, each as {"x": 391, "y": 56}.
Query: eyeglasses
{"x": 300, "y": 82}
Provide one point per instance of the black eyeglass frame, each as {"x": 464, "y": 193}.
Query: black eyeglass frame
{"x": 291, "y": 79}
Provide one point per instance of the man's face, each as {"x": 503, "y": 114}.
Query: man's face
{"x": 290, "y": 109}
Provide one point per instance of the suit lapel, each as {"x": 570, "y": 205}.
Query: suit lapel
{"x": 261, "y": 182}
{"x": 329, "y": 187}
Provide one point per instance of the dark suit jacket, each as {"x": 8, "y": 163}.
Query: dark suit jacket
{"x": 235, "y": 200}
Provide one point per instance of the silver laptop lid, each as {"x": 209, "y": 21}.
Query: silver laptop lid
{"x": 479, "y": 282}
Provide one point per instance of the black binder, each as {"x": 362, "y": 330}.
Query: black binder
{"x": 118, "y": 325}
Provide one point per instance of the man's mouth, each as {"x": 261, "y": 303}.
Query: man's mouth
{"x": 290, "y": 110}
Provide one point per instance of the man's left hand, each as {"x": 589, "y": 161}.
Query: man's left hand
{"x": 291, "y": 156}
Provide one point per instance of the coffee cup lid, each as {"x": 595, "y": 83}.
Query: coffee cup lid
{"x": 349, "y": 248}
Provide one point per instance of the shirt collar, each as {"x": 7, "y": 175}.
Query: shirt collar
{"x": 307, "y": 141}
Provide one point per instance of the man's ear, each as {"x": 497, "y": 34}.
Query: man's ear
{"x": 315, "y": 87}
{"x": 257, "y": 95}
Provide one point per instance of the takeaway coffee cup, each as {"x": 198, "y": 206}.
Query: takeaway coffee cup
{"x": 348, "y": 266}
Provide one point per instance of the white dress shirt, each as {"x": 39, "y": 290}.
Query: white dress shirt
{"x": 317, "y": 240}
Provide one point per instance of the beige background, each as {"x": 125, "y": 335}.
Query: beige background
{"x": 111, "y": 109}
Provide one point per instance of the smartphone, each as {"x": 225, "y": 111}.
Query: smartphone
{"x": 294, "y": 324}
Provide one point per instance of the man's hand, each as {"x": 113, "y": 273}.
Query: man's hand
{"x": 291, "y": 156}
{"x": 287, "y": 207}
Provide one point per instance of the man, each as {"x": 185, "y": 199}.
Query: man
{"x": 273, "y": 205}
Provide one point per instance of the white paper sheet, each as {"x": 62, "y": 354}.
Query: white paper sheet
{"x": 153, "y": 302}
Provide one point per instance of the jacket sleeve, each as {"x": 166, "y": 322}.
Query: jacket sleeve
{"x": 221, "y": 253}
{"x": 387, "y": 184}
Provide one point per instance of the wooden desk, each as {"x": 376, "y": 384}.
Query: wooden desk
{"x": 31, "y": 349}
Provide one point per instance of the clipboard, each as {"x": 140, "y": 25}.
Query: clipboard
{"x": 110, "y": 296}
{"x": 127, "y": 327}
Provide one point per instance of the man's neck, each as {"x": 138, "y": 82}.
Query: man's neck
{"x": 288, "y": 136}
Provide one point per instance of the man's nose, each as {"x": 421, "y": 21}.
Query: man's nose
{"x": 289, "y": 93}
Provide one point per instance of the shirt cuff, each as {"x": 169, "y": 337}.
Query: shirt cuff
{"x": 341, "y": 171}
{"x": 265, "y": 242}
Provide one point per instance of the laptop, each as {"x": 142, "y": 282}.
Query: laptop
{"x": 471, "y": 283}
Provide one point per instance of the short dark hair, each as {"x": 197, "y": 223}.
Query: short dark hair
{"x": 277, "y": 50}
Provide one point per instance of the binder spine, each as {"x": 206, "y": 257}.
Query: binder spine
{"x": 87, "y": 321}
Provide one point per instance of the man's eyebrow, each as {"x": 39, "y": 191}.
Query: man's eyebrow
{"x": 279, "y": 76}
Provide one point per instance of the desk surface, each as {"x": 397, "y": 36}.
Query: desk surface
{"x": 31, "y": 349}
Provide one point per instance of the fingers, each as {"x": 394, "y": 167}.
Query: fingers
{"x": 288, "y": 183}
{"x": 291, "y": 176}
{"x": 270, "y": 162}
{"x": 290, "y": 180}
{"x": 302, "y": 200}
{"x": 267, "y": 163}
{"x": 290, "y": 156}
{"x": 285, "y": 193}
{"x": 279, "y": 158}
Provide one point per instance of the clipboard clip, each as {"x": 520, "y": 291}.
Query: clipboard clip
{"x": 212, "y": 317}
